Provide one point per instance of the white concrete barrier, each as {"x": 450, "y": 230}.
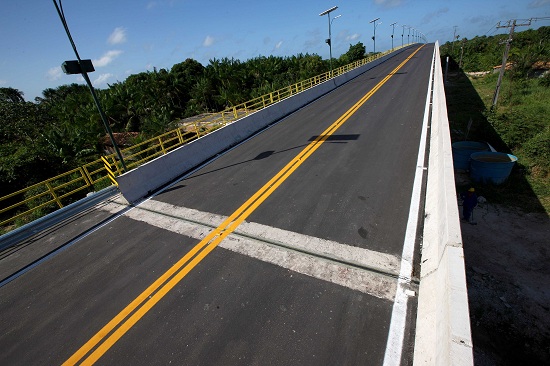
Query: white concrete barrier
{"x": 443, "y": 335}
{"x": 151, "y": 176}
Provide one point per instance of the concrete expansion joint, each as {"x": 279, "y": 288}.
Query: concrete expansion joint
{"x": 318, "y": 255}
{"x": 170, "y": 212}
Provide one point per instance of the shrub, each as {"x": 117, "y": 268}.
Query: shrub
{"x": 545, "y": 80}
{"x": 538, "y": 148}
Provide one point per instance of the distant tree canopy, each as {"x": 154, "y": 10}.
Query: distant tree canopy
{"x": 483, "y": 53}
{"x": 62, "y": 128}
{"x": 11, "y": 95}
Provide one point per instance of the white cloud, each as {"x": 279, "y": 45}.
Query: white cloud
{"x": 151, "y": 5}
{"x": 107, "y": 58}
{"x": 3, "y": 82}
{"x": 54, "y": 73}
{"x": 434, "y": 15}
{"x": 102, "y": 79}
{"x": 278, "y": 45}
{"x": 353, "y": 37}
{"x": 208, "y": 41}
{"x": 389, "y": 3}
{"x": 538, "y": 3}
{"x": 118, "y": 36}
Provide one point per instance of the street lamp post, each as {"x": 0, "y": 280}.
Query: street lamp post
{"x": 409, "y": 36}
{"x": 329, "y": 41}
{"x": 374, "y": 35}
{"x": 392, "y": 32}
{"x": 402, "y": 33}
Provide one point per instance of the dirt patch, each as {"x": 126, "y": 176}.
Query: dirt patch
{"x": 507, "y": 256}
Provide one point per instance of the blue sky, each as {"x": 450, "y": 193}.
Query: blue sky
{"x": 125, "y": 37}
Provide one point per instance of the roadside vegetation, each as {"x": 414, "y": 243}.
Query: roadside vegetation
{"x": 506, "y": 253}
{"x": 520, "y": 124}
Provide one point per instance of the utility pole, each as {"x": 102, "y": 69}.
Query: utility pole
{"x": 512, "y": 24}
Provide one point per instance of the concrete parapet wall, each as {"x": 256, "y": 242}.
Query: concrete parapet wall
{"x": 443, "y": 335}
{"x": 149, "y": 177}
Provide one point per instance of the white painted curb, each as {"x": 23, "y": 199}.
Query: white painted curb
{"x": 443, "y": 334}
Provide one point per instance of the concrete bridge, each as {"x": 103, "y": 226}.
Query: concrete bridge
{"x": 322, "y": 230}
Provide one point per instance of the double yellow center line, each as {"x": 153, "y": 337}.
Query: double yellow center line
{"x": 100, "y": 343}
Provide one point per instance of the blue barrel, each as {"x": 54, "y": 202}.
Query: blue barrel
{"x": 462, "y": 151}
{"x": 491, "y": 167}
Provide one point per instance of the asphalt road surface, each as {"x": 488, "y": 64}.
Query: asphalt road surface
{"x": 285, "y": 250}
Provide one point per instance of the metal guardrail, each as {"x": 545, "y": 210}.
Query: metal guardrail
{"x": 24, "y": 205}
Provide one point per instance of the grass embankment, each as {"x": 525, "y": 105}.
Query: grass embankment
{"x": 519, "y": 125}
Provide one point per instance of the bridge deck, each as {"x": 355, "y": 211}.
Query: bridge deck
{"x": 308, "y": 278}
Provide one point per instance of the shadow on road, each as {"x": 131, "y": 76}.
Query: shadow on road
{"x": 332, "y": 139}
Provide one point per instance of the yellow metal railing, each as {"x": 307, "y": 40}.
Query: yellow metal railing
{"x": 51, "y": 192}
{"x": 55, "y": 191}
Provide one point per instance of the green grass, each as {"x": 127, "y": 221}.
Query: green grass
{"x": 519, "y": 125}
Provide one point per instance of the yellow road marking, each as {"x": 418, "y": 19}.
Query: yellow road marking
{"x": 158, "y": 289}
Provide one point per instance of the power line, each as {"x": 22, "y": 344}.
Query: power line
{"x": 494, "y": 26}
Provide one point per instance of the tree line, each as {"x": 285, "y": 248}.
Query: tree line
{"x": 62, "y": 130}
{"x": 482, "y": 53}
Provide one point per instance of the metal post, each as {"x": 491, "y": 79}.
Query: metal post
{"x": 454, "y": 37}
{"x": 329, "y": 44}
{"x": 327, "y": 12}
{"x": 374, "y": 35}
{"x": 90, "y": 86}
{"x": 392, "y": 32}
{"x": 446, "y": 69}
{"x": 374, "y": 39}
{"x": 461, "y": 53}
